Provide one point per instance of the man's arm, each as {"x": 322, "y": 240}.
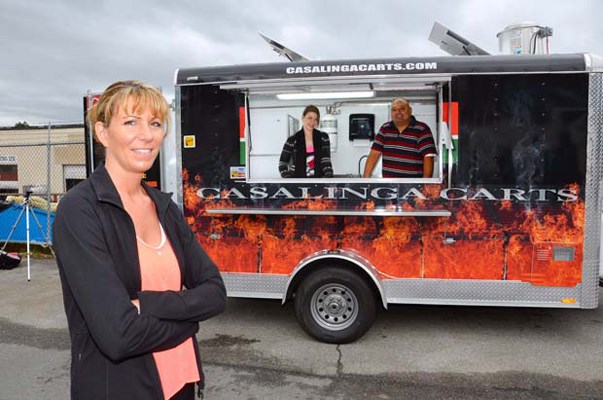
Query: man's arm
{"x": 428, "y": 167}
{"x": 371, "y": 161}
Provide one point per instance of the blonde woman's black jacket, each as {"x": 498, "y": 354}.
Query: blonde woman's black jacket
{"x": 111, "y": 344}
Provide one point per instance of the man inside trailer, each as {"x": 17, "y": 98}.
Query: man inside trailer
{"x": 406, "y": 144}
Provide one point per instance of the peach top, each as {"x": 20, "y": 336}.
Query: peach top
{"x": 159, "y": 271}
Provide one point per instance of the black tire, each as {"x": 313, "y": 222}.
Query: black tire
{"x": 335, "y": 305}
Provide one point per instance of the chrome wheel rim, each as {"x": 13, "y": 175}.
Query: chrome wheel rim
{"x": 334, "y": 307}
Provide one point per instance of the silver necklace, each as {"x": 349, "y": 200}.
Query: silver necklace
{"x": 161, "y": 243}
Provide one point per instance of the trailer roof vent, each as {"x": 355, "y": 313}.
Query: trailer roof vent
{"x": 453, "y": 43}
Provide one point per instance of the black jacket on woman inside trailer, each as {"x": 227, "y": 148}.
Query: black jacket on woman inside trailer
{"x": 111, "y": 344}
{"x": 292, "y": 163}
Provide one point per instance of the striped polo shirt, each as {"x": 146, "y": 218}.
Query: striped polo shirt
{"x": 403, "y": 152}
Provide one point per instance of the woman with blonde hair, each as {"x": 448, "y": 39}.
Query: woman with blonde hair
{"x": 135, "y": 280}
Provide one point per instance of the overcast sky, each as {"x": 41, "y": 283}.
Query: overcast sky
{"x": 53, "y": 52}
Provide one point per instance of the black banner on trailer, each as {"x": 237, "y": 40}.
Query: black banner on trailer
{"x": 95, "y": 152}
{"x": 382, "y": 67}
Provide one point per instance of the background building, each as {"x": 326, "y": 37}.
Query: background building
{"x": 48, "y": 160}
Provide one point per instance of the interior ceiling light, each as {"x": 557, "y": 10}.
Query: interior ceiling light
{"x": 326, "y": 95}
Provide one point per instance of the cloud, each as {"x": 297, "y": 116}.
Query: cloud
{"x": 53, "y": 52}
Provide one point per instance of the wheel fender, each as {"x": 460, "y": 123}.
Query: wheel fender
{"x": 346, "y": 255}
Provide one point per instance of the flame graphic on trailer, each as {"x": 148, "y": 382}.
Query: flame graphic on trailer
{"x": 483, "y": 239}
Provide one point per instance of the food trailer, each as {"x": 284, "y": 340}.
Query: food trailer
{"x": 510, "y": 217}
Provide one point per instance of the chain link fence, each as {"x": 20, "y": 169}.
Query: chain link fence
{"x": 38, "y": 164}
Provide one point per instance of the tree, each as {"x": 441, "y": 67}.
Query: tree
{"x": 22, "y": 125}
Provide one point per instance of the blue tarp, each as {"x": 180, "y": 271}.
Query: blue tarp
{"x": 8, "y": 218}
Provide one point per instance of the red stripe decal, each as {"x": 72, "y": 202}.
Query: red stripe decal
{"x": 241, "y": 122}
{"x": 454, "y": 129}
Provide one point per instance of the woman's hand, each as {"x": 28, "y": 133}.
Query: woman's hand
{"x": 137, "y": 304}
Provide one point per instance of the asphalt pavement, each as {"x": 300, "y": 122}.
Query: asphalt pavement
{"x": 256, "y": 350}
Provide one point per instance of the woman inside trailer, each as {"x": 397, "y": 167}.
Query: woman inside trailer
{"x": 307, "y": 153}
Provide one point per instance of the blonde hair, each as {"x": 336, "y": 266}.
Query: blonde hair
{"x": 118, "y": 94}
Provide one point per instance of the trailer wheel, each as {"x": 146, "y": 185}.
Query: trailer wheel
{"x": 335, "y": 305}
